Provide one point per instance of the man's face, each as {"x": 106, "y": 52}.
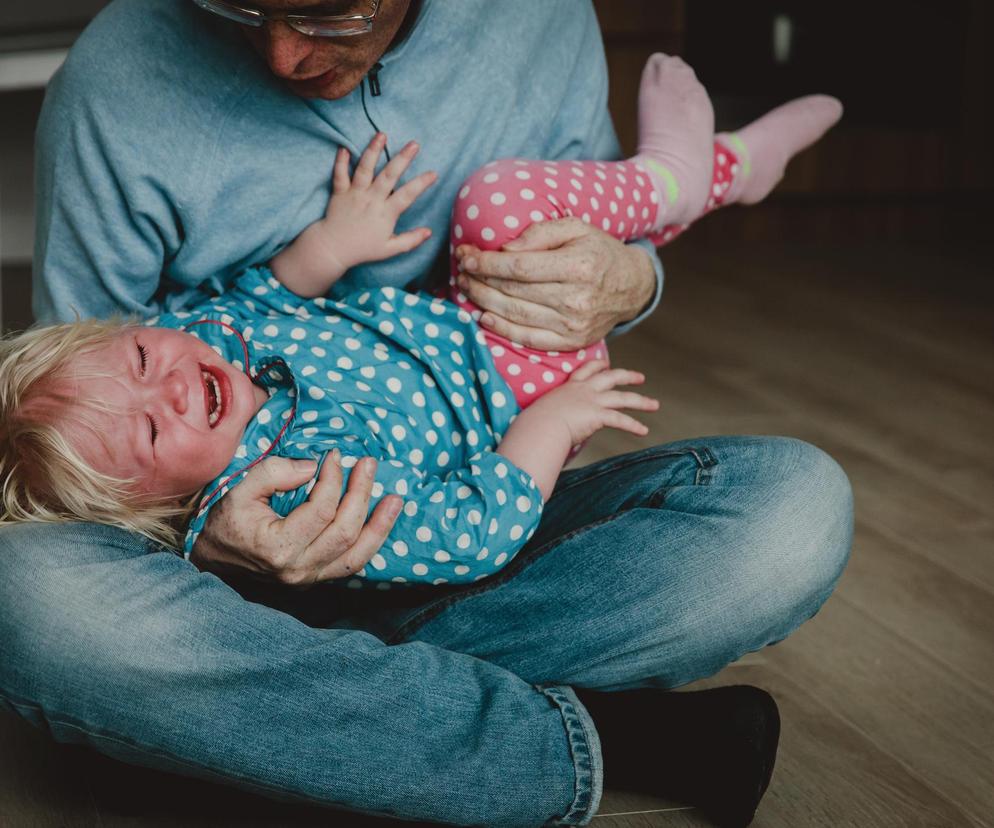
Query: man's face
{"x": 324, "y": 67}
{"x": 182, "y": 411}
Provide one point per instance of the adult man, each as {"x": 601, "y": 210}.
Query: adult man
{"x": 170, "y": 156}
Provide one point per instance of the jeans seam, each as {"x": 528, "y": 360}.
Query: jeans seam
{"x": 706, "y": 461}
{"x": 516, "y": 564}
{"x": 585, "y": 750}
{"x": 703, "y": 456}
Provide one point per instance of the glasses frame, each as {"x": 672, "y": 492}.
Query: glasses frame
{"x": 305, "y": 24}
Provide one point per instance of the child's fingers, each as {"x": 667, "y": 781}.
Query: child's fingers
{"x": 340, "y": 177}
{"x": 622, "y": 422}
{"x": 406, "y": 242}
{"x": 606, "y": 380}
{"x": 411, "y": 191}
{"x": 364, "y": 170}
{"x": 628, "y": 399}
{"x": 391, "y": 173}
{"x": 589, "y": 369}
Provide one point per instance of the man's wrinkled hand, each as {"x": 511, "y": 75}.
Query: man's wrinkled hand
{"x": 325, "y": 538}
{"x": 560, "y": 286}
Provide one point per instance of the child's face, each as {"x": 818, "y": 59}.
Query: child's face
{"x": 184, "y": 411}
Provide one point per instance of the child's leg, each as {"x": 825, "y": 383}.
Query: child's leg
{"x": 681, "y": 172}
{"x": 675, "y": 145}
{"x": 499, "y": 201}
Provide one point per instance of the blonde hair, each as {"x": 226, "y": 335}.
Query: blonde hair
{"x": 43, "y": 478}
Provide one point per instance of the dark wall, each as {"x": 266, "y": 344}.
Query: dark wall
{"x": 18, "y": 16}
{"x": 911, "y": 157}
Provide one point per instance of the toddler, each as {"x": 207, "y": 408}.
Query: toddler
{"x": 148, "y": 426}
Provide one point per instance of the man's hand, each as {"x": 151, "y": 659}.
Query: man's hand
{"x": 560, "y": 286}
{"x": 321, "y": 540}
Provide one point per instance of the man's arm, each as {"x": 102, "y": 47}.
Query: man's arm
{"x": 104, "y": 224}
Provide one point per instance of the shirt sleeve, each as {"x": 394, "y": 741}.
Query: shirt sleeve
{"x": 657, "y": 293}
{"x": 104, "y": 225}
{"x": 583, "y": 129}
{"x": 257, "y": 288}
{"x": 454, "y": 528}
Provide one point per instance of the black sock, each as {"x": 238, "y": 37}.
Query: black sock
{"x": 711, "y": 748}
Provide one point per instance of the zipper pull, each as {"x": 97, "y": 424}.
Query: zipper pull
{"x": 374, "y": 79}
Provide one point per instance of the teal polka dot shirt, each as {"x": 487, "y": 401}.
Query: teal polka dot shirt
{"x": 403, "y": 377}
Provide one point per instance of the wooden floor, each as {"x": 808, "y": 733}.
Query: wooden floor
{"x": 883, "y": 356}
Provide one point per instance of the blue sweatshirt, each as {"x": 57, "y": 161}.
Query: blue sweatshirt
{"x": 169, "y": 158}
{"x": 403, "y": 377}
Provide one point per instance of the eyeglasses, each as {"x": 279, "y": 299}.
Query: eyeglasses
{"x": 357, "y": 18}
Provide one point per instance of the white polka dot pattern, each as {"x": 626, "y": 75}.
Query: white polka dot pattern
{"x": 434, "y": 444}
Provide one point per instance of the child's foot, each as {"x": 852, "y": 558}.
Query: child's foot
{"x": 676, "y": 138}
{"x": 767, "y": 144}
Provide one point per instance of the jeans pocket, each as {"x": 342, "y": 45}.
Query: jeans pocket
{"x": 704, "y": 459}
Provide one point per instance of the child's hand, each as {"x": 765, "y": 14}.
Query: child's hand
{"x": 363, "y": 211}
{"x": 358, "y": 224}
{"x": 589, "y": 401}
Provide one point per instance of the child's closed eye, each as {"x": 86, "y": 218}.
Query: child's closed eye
{"x": 153, "y": 427}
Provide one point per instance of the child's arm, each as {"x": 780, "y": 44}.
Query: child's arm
{"x": 359, "y": 224}
{"x": 468, "y": 522}
{"x": 540, "y": 438}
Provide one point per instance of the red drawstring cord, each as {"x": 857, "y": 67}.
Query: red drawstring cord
{"x": 205, "y": 500}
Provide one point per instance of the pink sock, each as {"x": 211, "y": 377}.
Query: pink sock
{"x": 676, "y": 134}
{"x": 766, "y": 145}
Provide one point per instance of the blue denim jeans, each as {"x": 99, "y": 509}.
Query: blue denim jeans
{"x": 448, "y": 704}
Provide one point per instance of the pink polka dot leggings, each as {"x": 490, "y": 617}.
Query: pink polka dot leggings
{"x": 503, "y": 198}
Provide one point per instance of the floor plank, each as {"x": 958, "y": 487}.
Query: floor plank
{"x": 947, "y": 616}
{"x": 38, "y": 788}
{"x": 894, "y": 693}
{"x": 830, "y": 774}
{"x": 812, "y": 365}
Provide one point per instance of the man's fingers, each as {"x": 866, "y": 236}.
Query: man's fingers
{"x": 544, "y": 266}
{"x": 406, "y": 242}
{"x": 274, "y": 474}
{"x": 549, "y": 294}
{"x": 519, "y": 311}
{"x": 340, "y": 177}
{"x": 548, "y": 235}
{"x": 352, "y": 510}
{"x": 367, "y": 163}
{"x": 371, "y": 539}
{"x": 312, "y": 517}
{"x": 411, "y": 191}
{"x": 538, "y": 338}
{"x": 391, "y": 173}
